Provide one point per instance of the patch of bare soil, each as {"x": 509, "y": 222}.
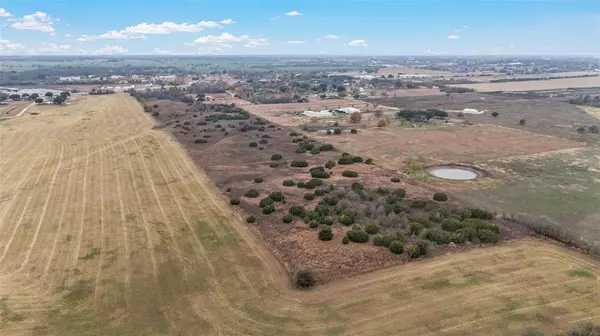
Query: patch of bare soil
{"x": 237, "y": 153}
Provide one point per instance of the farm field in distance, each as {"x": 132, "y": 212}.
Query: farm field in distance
{"x": 549, "y": 84}
{"x": 108, "y": 227}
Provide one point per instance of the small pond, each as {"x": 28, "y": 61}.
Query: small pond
{"x": 453, "y": 173}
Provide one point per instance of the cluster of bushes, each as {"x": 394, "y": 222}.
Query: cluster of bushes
{"x": 349, "y": 173}
{"x": 299, "y": 164}
{"x": 348, "y": 159}
{"x": 319, "y": 172}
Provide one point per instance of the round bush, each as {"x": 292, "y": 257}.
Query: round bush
{"x": 263, "y": 141}
{"x": 415, "y": 228}
{"x": 330, "y": 164}
{"x": 207, "y": 136}
{"x": 395, "y": 179}
{"x": 299, "y": 164}
{"x": 305, "y": 279}
{"x": 452, "y": 224}
{"x": 268, "y": 209}
{"x": 347, "y": 219}
{"x": 313, "y": 183}
{"x": 413, "y": 251}
{"x": 372, "y": 228}
{"x": 354, "y": 131}
{"x": 276, "y": 157}
{"x": 234, "y": 201}
{"x": 297, "y": 210}
{"x": 301, "y": 184}
{"x": 319, "y": 174}
{"x": 277, "y": 196}
{"x": 200, "y": 141}
{"x": 400, "y": 193}
{"x": 252, "y": 193}
{"x": 349, "y": 173}
{"x": 261, "y": 148}
{"x": 345, "y": 240}
{"x": 259, "y": 180}
{"x": 309, "y": 196}
{"x": 287, "y": 218}
{"x": 266, "y": 202}
{"x": 294, "y": 134}
{"x": 325, "y": 234}
{"x": 440, "y": 197}
{"x": 327, "y": 220}
{"x": 313, "y": 224}
{"x": 300, "y": 150}
{"x": 253, "y": 144}
{"x": 289, "y": 183}
{"x": 357, "y": 159}
{"x": 458, "y": 238}
{"x": 321, "y": 192}
{"x": 358, "y": 236}
{"x": 326, "y": 148}
{"x": 369, "y": 161}
{"x": 315, "y": 151}
{"x": 397, "y": 247}
{"x": 378, "y": 240}
{"x": 345, "y": 160}
{"x": 251, "y": 219}
{"x": 273, "y": 164}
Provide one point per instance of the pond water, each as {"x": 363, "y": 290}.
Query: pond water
{"x": 453, "y": 173}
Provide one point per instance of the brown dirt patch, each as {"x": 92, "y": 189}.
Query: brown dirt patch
{"x": 391, "y": 147}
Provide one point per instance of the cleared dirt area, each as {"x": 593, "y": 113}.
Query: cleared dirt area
{"x": 13, "y": 108}
{"x": 393, "y": 146}
{"x": 549, "y": 84}
{"x": 108, "y": 228}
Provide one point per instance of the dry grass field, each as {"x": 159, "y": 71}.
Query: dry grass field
{"x": 108, "y": 228}
{"x": 550, "y": 84}
{"x": 393, "y": 146}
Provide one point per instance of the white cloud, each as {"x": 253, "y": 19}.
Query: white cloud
{"x": 332, "y": 37}
{"x": 168, "y": 27}
{"x": 295, "y": 42}
{"x": 357, "y": 43}
{"x": 57, "y": 48}
{"x": 222, "y": 40}
{"x": 323, "y": 52}
{"x": 111, "y": 35}
{"x": 57, "y": 20}
{"x": 110, "y": 50}
{"x": 158, "y": 51}
{"x": 6, "y": 45}
{"x": 39, "y": 21}
{"x": 511, "y": 46}
{"x": 4, "y": 13}
{"x": 293, "y": 13}
{"x": 227, "y": 21}
{"x": 67, "y": 35}
{"x": 274, "y": 18}
{"x": 453, "y": 37}
{"x": 465, "y": 26}
{"x": 254, "y": 43}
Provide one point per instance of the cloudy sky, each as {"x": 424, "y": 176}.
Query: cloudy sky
{"x": 348, "y": 27}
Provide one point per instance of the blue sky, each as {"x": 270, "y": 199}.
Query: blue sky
{"x": 348, "y": 27}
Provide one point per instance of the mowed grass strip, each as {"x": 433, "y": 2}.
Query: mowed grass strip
{"x": 153, "y": 249}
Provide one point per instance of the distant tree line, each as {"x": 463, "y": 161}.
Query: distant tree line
{"x": 586, "y": 100}
{"x": 420, "y": 115}
{"x": 527, "y": 79}
{"x": 172, "y": 95}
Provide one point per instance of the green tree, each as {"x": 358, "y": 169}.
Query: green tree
{"x": 49, "y": 94}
